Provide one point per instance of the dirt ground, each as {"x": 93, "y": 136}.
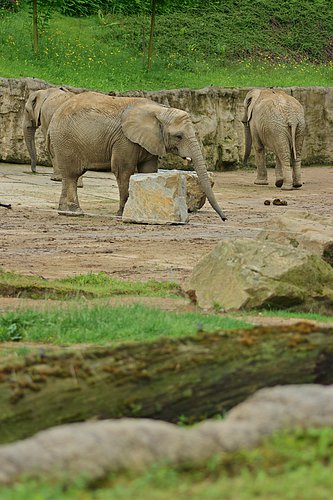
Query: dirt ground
{"x": 35, "y": 240}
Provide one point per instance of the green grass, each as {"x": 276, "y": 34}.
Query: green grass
{"x": 107, "y": 53}
{"x": 288, "y": 466}
{"x": 290, "y": 314}
{"x": 105, "y": 324}
{"x": 89, "y": 285}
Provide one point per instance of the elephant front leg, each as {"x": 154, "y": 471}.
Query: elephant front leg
{"x": 69, "y": 202}
{"x": 149, "y": 166}
{"x": 260, "y": 160}
{"x": 123, "y": 174}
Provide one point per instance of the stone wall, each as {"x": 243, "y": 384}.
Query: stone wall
{"x": 216, "y": 113}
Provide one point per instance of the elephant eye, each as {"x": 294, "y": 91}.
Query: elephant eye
{"x": 179, "y": 135}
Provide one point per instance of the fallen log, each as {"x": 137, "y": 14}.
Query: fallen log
{"x": 91, "y": 450}
{"x": 190, "y": 378}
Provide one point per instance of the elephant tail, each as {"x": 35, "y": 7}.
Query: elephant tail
{"x": 293, "y": 127}
{"x": 248, "y": 141}
{"x": 48, "y": 144}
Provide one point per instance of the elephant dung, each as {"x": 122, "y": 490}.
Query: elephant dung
{"x": 301, "y": 229}
{"x": 195, "y": 197}
{"x": 248, "y": 274}
{"x": 157, "y": 198}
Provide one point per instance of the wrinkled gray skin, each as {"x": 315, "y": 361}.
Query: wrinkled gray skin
{"x": 38, "y": 111}
{"x": 127, "y": 134}
{"x": 275, "y": 120}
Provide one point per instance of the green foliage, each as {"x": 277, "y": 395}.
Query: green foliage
{"x": 79, "y": 8}
{"x": 45, "y": 9}
{"x": 108, "y": 52}
{"x": 289, "y": 465}
{"x": 9, "y": 5}
{"x": 11, "y": 328}
{"x": 104, "y": 324}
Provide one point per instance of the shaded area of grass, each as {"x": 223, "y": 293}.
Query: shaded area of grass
{"x": 289, "y": 465}
{"x": 104, "y": 324}
{"x": 88, "y": 285}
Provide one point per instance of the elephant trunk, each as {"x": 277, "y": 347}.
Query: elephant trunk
{"x": 248, "y": 141}
{"x": 29, "y": 137}
{"x": 199, "y": 165}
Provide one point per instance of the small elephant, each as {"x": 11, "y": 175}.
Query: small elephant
{"x": 275, "y": 120}
{"x": 38, "y": 111}
{"x": 128, "y": 134}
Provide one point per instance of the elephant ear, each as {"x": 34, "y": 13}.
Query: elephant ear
{"x": 33, "y": 107}
{"x": 141, "y": 124}
{"x": 29, "y": 107}
{"x": 249, "y": 102}
{"x": 38, "y": 103}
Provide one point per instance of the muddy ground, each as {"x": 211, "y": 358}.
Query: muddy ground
{"x": 35, "y": 240}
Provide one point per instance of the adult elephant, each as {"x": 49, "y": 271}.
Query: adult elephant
{"x": 275, "y": 120}
{"x": 92, "y": 131}
{"x": 38, "y": 111}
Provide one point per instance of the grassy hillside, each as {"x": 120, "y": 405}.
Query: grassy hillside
{"x": 255, "y": 43}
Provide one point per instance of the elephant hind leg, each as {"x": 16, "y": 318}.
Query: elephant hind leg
{"x": 278, "y": 173}
{"x": 69, "y": 202}
{"x": 287, "y": 173}
{"x": 259, "y": 151}
{"x": 296, "y": 165}
{"x": 57, "y": 178}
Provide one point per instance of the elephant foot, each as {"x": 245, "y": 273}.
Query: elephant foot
{"x": 297, "y": 185}
{"x": 120, "y": 212}
{"x": 56, "y": 178}
{"x": 69, "y": 213}
{"x": 261, "y": 182}
{"x": 287, "y": 187}
{"x": 279, "y": 183}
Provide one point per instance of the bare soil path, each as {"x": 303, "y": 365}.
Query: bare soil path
{"x": 35, "y": 240}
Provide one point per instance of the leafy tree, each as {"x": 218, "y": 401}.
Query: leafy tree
{"x": 41, "y": 11}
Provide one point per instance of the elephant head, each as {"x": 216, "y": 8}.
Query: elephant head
{"x": 249, "y": 102}
{"x": 160, "y": 130}
{"x": 37, "y": 111}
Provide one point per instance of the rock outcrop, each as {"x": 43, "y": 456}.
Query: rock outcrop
{"x": 247, "y": 274}
{"x": 216, "y": 113}
{"x": 305, "y": 230}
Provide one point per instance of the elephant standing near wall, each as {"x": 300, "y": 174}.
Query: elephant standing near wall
{"x": 128, "y": 134}
{"x": 38, "y": 111}
{"x": 275, "y": 120}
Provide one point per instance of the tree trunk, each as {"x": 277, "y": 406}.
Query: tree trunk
{"x": 35, "y": 24}
{"x": 190, "y": 378}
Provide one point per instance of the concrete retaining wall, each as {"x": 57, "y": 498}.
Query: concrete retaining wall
{"x": 216, "y": 113}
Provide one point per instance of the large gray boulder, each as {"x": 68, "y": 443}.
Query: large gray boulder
{"x": 247, "y": 274}
{"x": 157, "y": 198}
{"x": 301, "y": 229}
